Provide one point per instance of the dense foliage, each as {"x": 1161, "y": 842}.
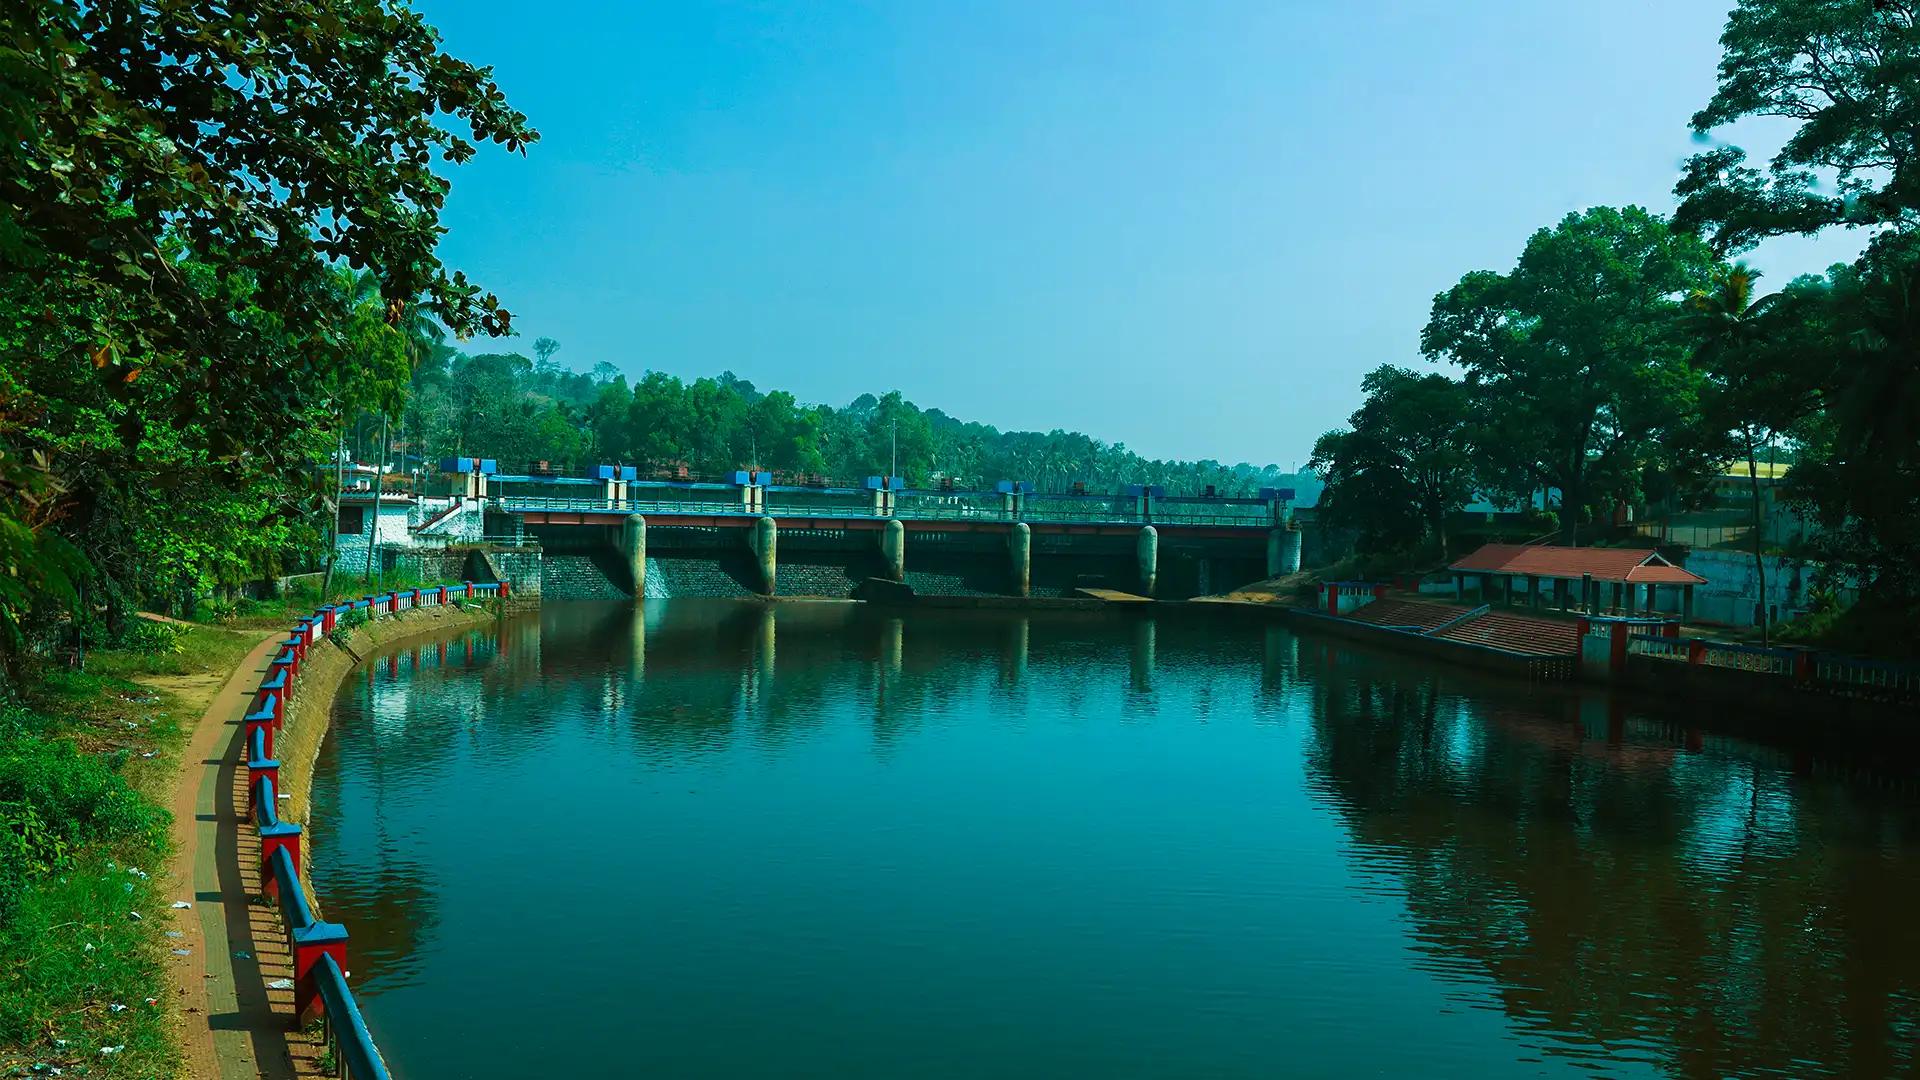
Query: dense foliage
{"x": 522, "y": 411}
{"x": 180, "y": 183}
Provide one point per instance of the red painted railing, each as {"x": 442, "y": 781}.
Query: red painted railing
{"x": 319, "y": 950}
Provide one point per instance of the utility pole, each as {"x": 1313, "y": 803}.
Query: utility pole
{"x": 379, "y": 489}
{"x": 894, "y": 469}
{"x": 332, "y": 503}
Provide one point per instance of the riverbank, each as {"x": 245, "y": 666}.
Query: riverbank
{"x": 326, "y": 669}
{"x": 237, "y": 1003}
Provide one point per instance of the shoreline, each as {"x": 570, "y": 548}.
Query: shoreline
{"x": 326, "y": 670}
{"x": 239, "y": 946}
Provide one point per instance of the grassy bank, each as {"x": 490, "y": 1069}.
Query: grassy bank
{"x": 87, "y": 761}
{"x": 280, "y": 611}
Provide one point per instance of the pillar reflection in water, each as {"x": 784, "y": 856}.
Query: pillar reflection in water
{"x": 1278, "y": 649}
{"x": 639, "y": 624}
{"x": 1140, "y": 655}
{"x": 1014, "y": 660}
{"x": 763, "y": 644}
{"x": 893, "y": 634}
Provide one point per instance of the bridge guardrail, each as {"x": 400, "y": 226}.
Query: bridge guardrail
{"x": 318, "y": 949}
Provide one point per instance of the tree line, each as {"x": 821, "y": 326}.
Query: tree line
{"x": 525, "y": 410}
{"x": 1627, "y": 357}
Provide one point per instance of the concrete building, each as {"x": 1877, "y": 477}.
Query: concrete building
{"x": 371, "y": 520}
{"x": 1570, "y": 578}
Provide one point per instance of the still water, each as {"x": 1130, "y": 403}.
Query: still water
{"x": 720, "y": 839}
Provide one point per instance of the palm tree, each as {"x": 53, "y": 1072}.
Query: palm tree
{"x": 1728, "y": 322}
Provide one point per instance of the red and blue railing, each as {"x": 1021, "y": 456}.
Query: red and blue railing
{"x": 318, "y": 949}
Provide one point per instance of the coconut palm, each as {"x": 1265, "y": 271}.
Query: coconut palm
{"x": 1729, "y": 323}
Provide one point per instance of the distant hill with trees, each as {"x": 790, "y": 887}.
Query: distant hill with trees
{"x": 521, "y": 410}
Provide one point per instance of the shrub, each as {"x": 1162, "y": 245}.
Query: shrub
{"x": 148, "y": 638}
{"x": 344, "y": 625}
{"x": 54, "y": 800}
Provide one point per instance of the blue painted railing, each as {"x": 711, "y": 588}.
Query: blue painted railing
{"x": 348, "y": 1041}
{"x": 318, "y": 949}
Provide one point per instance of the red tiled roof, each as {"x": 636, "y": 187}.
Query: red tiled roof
{"x": 1641, "y": 566}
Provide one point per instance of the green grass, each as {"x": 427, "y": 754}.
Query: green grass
{"x": 71, "y": 951}
{"x": 196, "y": 650}
{"x": 85, "y": 768}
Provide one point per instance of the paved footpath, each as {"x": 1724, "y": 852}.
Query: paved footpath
{"x": 235, "y": 1026}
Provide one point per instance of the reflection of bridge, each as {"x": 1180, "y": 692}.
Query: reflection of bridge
{"x": 1008, "y": 540}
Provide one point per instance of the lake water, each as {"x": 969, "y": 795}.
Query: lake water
{"x": 722, "y": 839}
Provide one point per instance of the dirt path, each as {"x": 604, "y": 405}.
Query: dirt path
{"x": 229, "y": 1028}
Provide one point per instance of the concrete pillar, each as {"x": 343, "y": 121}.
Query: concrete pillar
{"x": 1283, "y": 552}
{"x": 1533, "y": 593}
{"x": 1506, "y": 589}
{"x": 278, "y": 836}
{"x": 310, "y": 943}
{"x": 1616, "y": 595}
{"x": 1652, "y": 599}
{"x": 1587, "y": 599}
{"x": 893, "y": 549}
{"x": 1459, "y": 586}
{"x": 1147, "y": 554}
{"x": 764, "y": 540}
{"x": 1686, "y": 602}
{"x": 633, "y": 544}
{"x": 1020, "y": 553}
{"x": 1016, "y": 656}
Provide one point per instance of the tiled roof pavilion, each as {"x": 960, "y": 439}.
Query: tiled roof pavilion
{"x": 1634, "y": 566}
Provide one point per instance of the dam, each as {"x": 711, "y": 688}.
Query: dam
{"x": 615, "y": 535}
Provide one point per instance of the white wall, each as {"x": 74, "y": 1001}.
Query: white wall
{"x": 1732, "y": 586}
{"x": 387, "y": 526}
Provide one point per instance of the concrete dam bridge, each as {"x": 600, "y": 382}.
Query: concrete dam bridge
{"x": 613, "y": 534}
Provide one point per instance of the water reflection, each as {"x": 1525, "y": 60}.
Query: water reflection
{"x": 1096, "y": 845}
{"x": 1625, "y": 889}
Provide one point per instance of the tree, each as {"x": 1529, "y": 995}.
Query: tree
{"x": 1847, "y": 71}
{"x": 1761, "y": 360}
{"x": 1859, "y": 469}
{"x": 543, "y": 350}
{"x": 1406, "y": 462}
{"x": 180, "y": 184}
{"x": 1577, "y": 353}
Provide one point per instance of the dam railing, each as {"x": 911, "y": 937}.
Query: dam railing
{"x": 318, "y": 949}
{"x": 928, "y": 506}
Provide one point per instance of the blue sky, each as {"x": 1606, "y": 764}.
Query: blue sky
{"x": 1186, "y": 227}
